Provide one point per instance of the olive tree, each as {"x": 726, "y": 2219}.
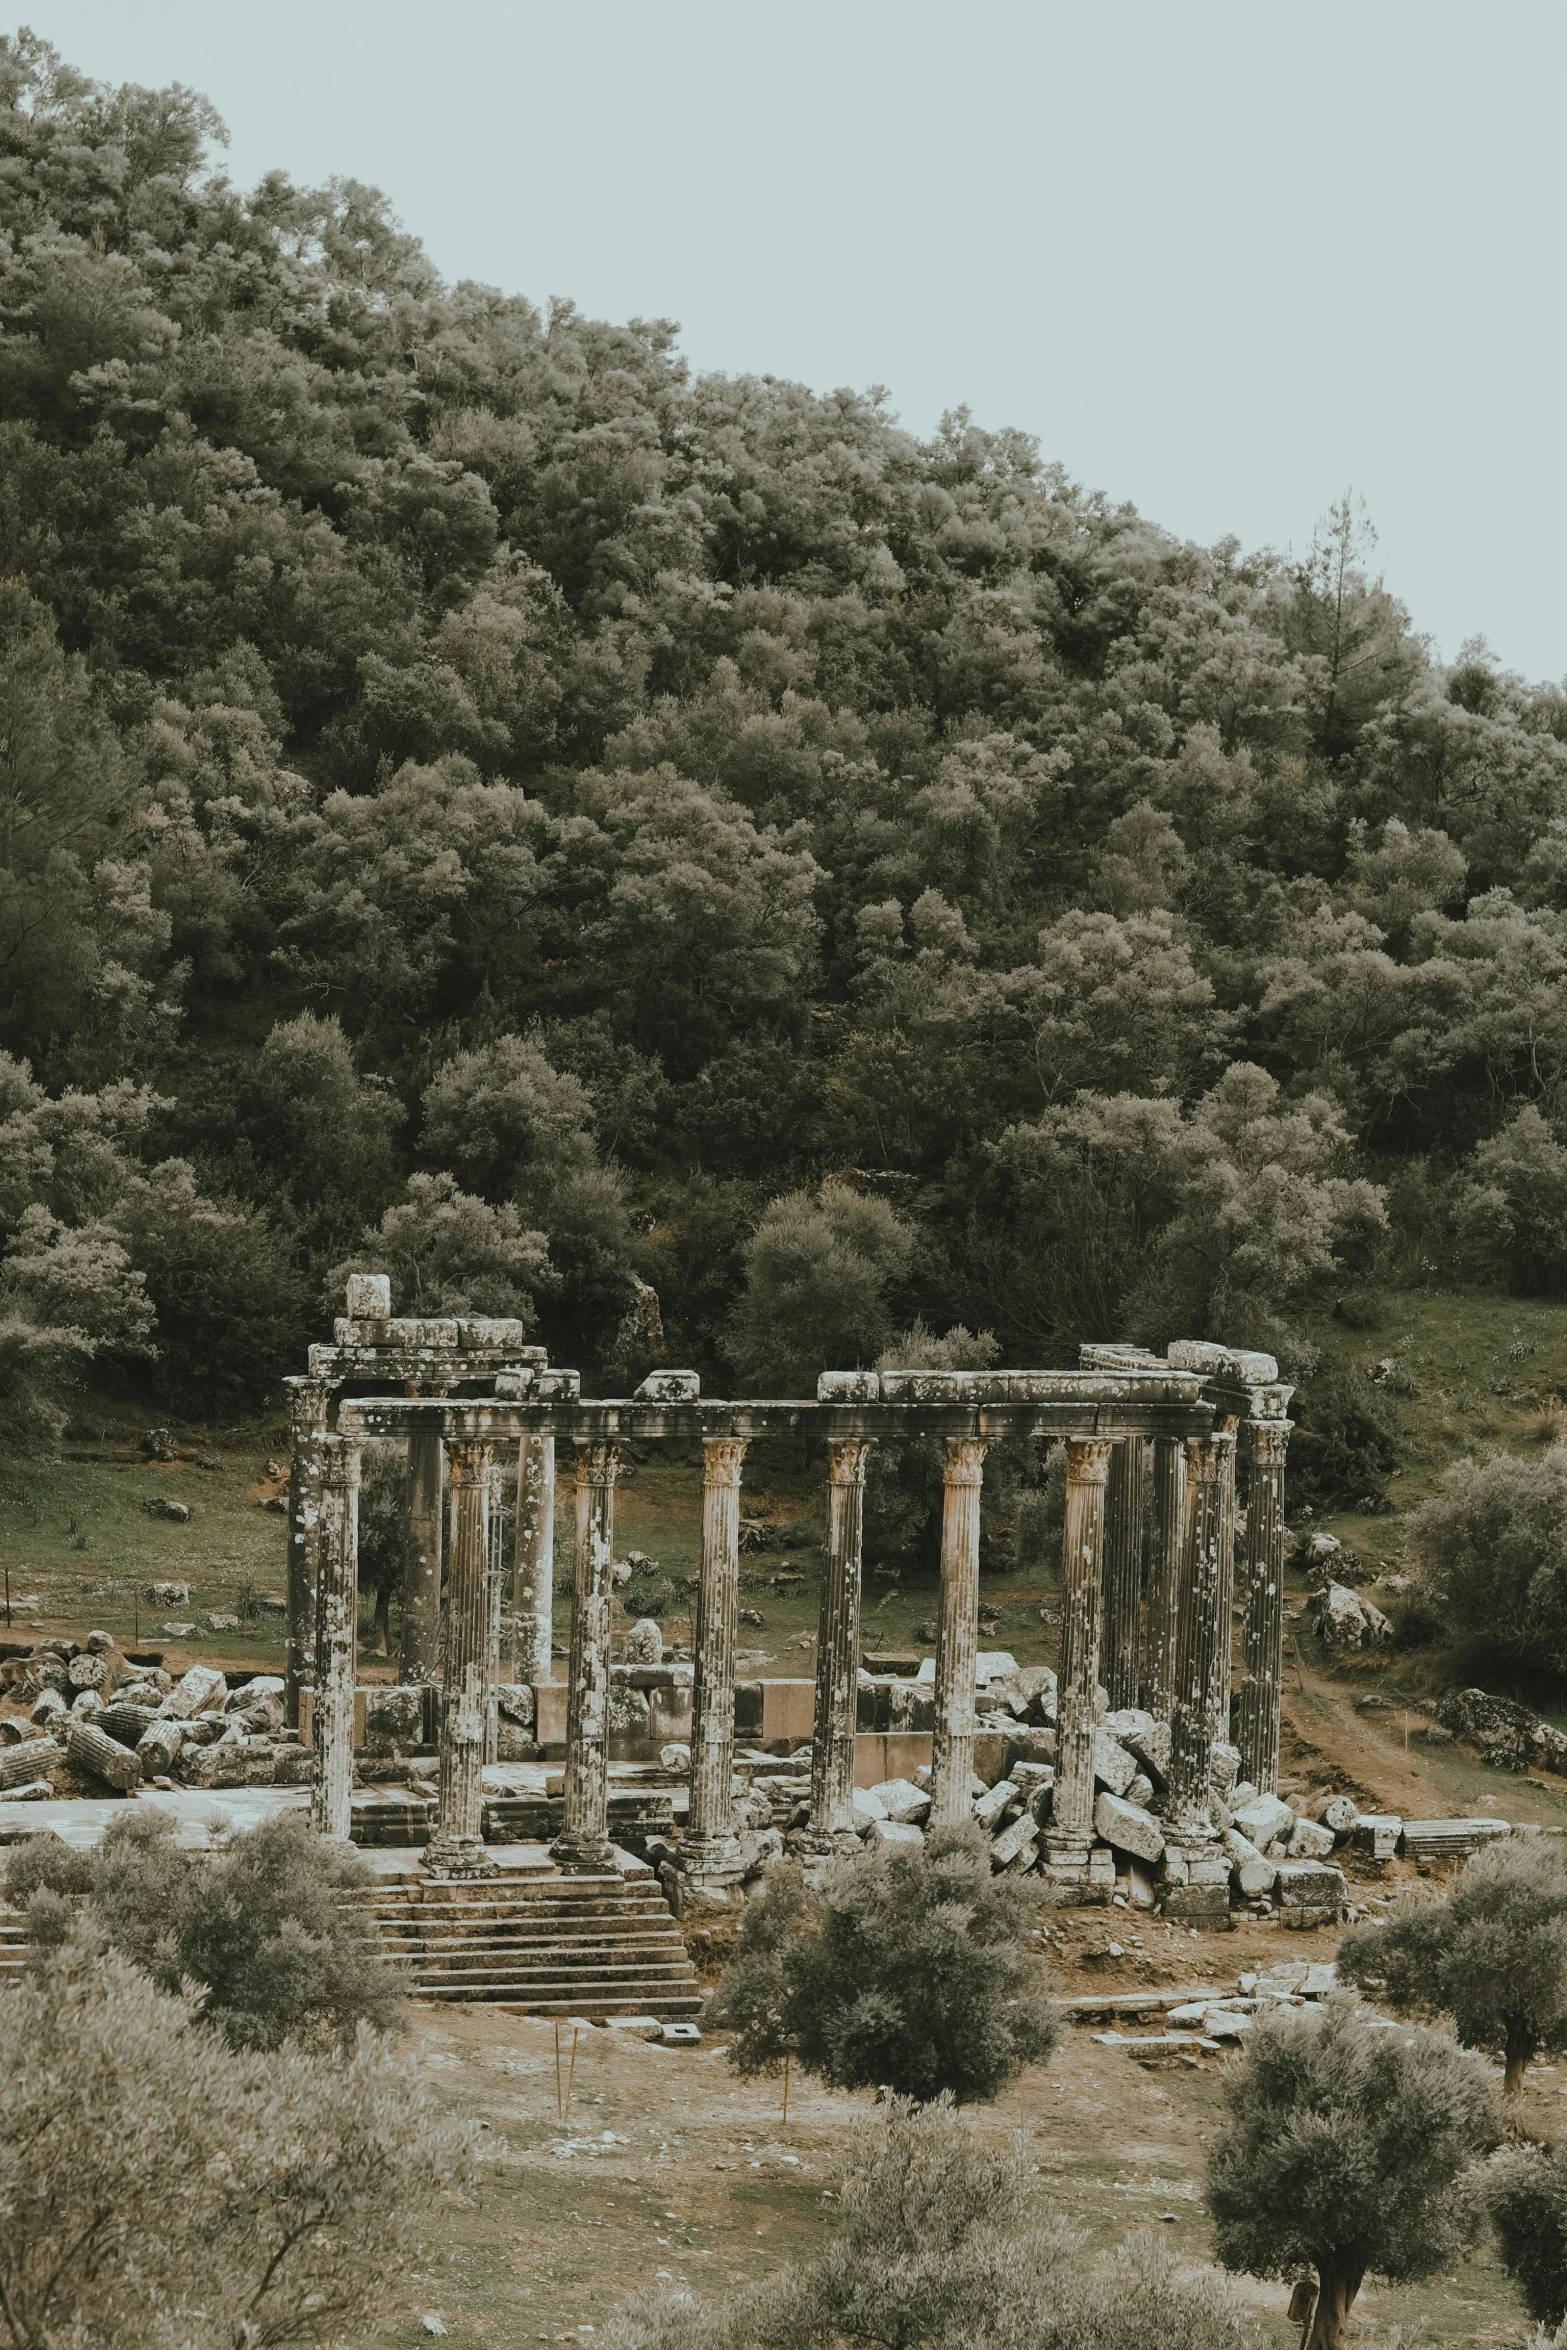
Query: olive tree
{"x": 160, "y": 2187}
{"x": 1345, "y": 2146}
{"x": 1527, "y": 2200}
{"x": 911, "y": 1969}
{"x": 1491, "y": 1953}
{"x": 945, "y": 2242}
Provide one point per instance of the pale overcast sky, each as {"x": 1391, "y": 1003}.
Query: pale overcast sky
{"x": 1223, "y": 260}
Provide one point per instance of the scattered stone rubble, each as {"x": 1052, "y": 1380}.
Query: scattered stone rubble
{"x": 124, "y": 1725}
{"x": 1202, "y": 2021}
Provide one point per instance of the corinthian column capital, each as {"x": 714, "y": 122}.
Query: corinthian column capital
{"x": 965, "y": 1461}
{"x": 846, "y": 1459}
{"x": 721, "y": 1459}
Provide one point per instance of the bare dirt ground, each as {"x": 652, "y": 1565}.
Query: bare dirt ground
{"x": 673, "y": 2171}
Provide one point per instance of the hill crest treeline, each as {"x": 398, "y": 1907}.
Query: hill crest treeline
{"x": 681, "y": 857}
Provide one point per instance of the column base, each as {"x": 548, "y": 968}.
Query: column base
{"x": 705, "y": 1875}
{"x": 1195, "y": 1883}
{"x": 458, "y": 1856}
{"x": 581, "y": 1855}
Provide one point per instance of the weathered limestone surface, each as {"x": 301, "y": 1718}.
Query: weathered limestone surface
{"x": 583, "y": 1842}
{"x": 838, "y": 1649}
{"x": 308, "y": 1403}
{"x": 1191, "y": 1742}
{"x": 420, "y": 1656}
{"x": 1164, "y": 1576}
{"x": 337, "y": 1631}
{"x": 1261, "y": 1692}
{"x": 457, "y": 1847}
{"x": 1087, "y": 1475}
{"x": 1120, "y": 1659}
{"x": 710, "y": 1839}
{"x": 533, "y": 1584}
{"x": 957, "y": 1628}
{"x": 1224, "y": 1604}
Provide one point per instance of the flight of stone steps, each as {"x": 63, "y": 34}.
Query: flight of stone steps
{"x": 534, "y": 1942}
{"x": 13, "y": 1944}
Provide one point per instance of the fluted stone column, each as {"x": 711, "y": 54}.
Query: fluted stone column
{"x": 309, "y": 1401}
{"x": 838, "y": 1648}
{"x": 1191, "y": 1743}
{"x": 1261, "y": 1692}
{"x": 1224, "y": 1652}
{"x": 1072, "y": 1811}
{"x": 457, "y": 1848}
{"x": 710, "y": 1846}
{"x": 1121, "y": 1638}
{"x": 337, "y": 1635}
{"x": 533, "y": 1582}
{"x": 1166, "y": 1548}
{"x": 419, "y": 1645}
{"x": 584, "y": 1842}
{"x": 496, "y": 1584}
{"x": 957, "y": 1629}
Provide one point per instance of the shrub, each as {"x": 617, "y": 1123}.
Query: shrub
{"x": 46, "y": 1863}
{"x": 1492, "y": 1953}
{"x": 259, "y": 1922}
{"x": 1527, "y": 2200}
{"x": 906, "y": 1969}
{"x": 1492, "y": 1546}
{"x": 1346, "y": 1443}
{"x": 162, "y": 2188}
{"x": 1345, "y": 2148}
{"x": 944, "y": 2245}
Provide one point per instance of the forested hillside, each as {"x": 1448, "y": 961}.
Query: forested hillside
{"x": 682, "y": 858}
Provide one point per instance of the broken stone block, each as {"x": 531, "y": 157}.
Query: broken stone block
{"x": 1339, "y": 1814}
{"x": 1129, "y": 1722}
{"x": 902, "y": 1801}
{"x": 897, "y": 1832}
{"x": 994, "y": 1664}
{"x": 1127, "y": 1827}
{"x": 48, "y": 1707}
{"x": 1033, "y": 1746}
{"x": 1141, "y": 1791}
{"x": 989, "y": 1807}
{"x": 1265, "y": 1817}
{"x": 1376, "y": 1833}
{"x": 1310, "y": 1885}
{"x": 202, "y": 1690}
{"x": 1114, "y": 1768}
{"x": 867, "y": 1808}
{"x": 629, "y": 1712}
{"x": 1016, "y": 1845}
{"x": 1224, "y": 1767}
{"x": 1253, "y": 1873}
{"x": 1309, "y": 1840}
{"x": 644, "y": 1643}
{"x": 1151, "y": 1748}
{"x": 159, "y": 1745}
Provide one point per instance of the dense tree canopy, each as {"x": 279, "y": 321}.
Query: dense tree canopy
{"x": 478, "y": 798}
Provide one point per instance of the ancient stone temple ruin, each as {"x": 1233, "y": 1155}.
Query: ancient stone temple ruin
{"x": 1160, "y": 1454}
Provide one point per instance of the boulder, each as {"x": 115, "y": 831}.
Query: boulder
{"x": 1017, "y": 1845}
{"x": 1346, "y": 1621}
{"x": 1265, "y": 1817}
{"x": 1224, "y": 1766}
{"x": 1253, "y": 1873}
{"x": 1309, "y": 1840}
{"x": 1129, "y": 1722}
{"x": 868, "y": 1808}
{"x": 994, "y": 1664}
{"x": 903, "y": 1802}
{"x": 1127, "y": 1827}
{"x": 1507, "y": 1736}
{"x": 1339, "y": 1814}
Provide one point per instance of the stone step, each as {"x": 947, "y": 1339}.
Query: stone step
{"x": 676, "y": 1976}
{"x": 669, "y": 2008}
